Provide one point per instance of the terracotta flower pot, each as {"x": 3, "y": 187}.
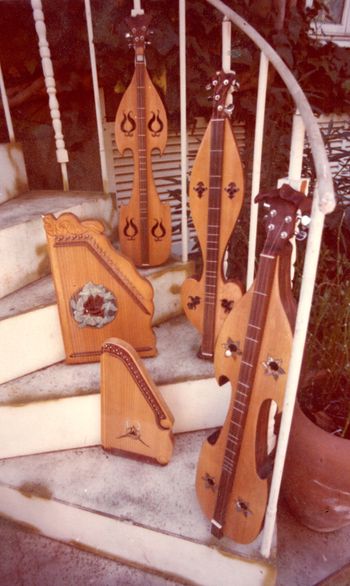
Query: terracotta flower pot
{"x": 316, "y": 480}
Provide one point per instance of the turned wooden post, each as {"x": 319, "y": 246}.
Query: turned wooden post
{"x": 44, "y": 50}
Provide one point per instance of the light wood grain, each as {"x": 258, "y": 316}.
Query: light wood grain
{"x": 231, "y": 172}
{"x": 249, "y": 485}
{"x": 80, "y": 253}
{"x": 134, "y": 416}
{"x": 142, "y": 141}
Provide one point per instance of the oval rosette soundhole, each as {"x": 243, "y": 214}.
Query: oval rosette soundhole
{"x": 93, "y": 306}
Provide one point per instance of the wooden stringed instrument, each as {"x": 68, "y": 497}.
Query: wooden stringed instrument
{"x": 252, "y": 352}
{"x": 216, "y": 194}
{"x": 134, "y": 416}
{"x": 141, "y": 126}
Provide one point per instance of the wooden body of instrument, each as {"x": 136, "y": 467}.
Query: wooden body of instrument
{"x": 216, "y": 194}
{"x": 253, "y": 353}
{"x": 134, "y": 415}
{"x": 99, "y": 292}
{"x": 141, "y": 126}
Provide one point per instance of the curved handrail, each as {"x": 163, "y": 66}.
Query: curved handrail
{"x": 326, "y": 197}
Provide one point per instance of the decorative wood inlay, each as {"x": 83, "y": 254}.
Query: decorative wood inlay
{"x": 93, "y": 306}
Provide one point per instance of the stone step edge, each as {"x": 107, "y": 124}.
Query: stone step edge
{"x": 195, "y": 404}
{"x": 24, "y": 246}
{"x": 168, "y": 555}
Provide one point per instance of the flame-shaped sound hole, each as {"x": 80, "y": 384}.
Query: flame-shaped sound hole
{"x": 155, "y": 125}
{"x": 158, "y": 231}
{"x": 128, "y": 124}
{"x": 130, "y": 229}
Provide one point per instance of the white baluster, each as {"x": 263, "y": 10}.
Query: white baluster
{"x": 183, "y": 128}
{"x": 61, "y": 152}
{"x": 257, "y": 157}
{"x": 103, "y": 160}
{"x": 226, "y": 45}
{"x": 6, "y": 108}
{"x": 137, "y": 8}
{"x": 296, "y": 147}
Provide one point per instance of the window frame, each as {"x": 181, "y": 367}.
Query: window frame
{"x": 337, "y": 32}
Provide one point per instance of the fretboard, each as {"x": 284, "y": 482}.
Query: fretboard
{"x": 142, "y": 158}
{"x": 213, "y": 236}
{"x": 248, "y": 366}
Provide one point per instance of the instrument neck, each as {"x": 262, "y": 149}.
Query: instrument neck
{"x": 213, "y": 263}
{"x": 252, "y": 343}
{"x": 142, "y": 153}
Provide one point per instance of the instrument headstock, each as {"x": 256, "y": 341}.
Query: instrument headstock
{"x": 284, "y": 206}
{"x": 221, "y": 85}
{"x": 139, "y": 32}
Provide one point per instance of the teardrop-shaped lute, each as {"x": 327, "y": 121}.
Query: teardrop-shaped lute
{"x": 141, "y": 126}
{"x": 253, "y": 353}
{"x": 216, "y": 194}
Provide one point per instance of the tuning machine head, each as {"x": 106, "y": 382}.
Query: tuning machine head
{"x": 229, "y": 109}
{"x": 302, "y": 226}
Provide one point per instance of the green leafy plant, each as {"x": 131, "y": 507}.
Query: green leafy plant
{"x": 325, "y": 387}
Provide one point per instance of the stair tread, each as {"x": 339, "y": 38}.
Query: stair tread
{"x": 32, "y": 204}
{"x": 37, "y": 294}
{"x": 175, "y": 362}
{"x": 159, "y": 498}
{"x": 42, "y": 292}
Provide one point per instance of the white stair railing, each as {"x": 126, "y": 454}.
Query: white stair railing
{"x": 61, "y": 152}
{"x": 6, "y": 107}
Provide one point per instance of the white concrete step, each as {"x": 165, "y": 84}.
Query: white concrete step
{"x": 29, "y": 319}
{"x": 126, "y": 509}
{"x": 13, "y": 174}
{"x": 59, "y": 407}
{"x": 23, "y": 248}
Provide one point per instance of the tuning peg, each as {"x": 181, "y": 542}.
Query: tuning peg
{"x": 128, "y": 35}
{"x": 300, "y": 234}
{"x": 229, "y": 109}
{"x": 208, "y": 87}
{"x": 305, "y": 221}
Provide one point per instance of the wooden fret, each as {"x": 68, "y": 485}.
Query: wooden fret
{"x": 213, "y": 228}
{"x": 142, "y": 159}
